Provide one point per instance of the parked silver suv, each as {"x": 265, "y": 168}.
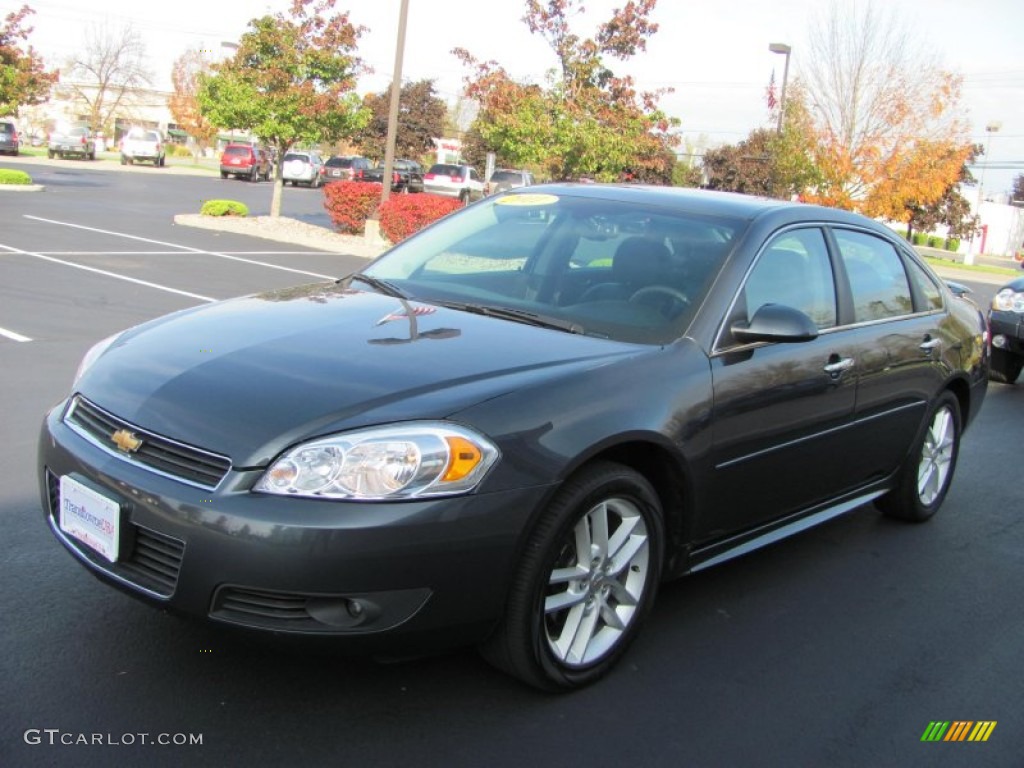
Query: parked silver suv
{"x": 504, "y": 179}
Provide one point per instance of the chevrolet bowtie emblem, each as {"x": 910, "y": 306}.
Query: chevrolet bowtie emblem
{"x": 126, "y": 441}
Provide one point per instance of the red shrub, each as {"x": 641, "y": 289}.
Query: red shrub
{"x": 404, "y": 215}
{"x": 350, "y": 204}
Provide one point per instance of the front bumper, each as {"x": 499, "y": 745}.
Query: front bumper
{"x": 379, "y": 574}
{"x": 1007, "y": 330}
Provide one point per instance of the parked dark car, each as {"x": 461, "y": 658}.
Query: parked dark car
{"x": 10, "y": 144}
{"x": 345, "y": 168}
{"x": 406, "y": 176}
{"x": 246, "y": 161}
{"x": 1006, "y": 324}
{"x": 513, "y": 425}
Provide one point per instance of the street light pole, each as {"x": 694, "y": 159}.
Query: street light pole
{"x": 991, "y": 128}
{"x": 396, "y": 88}
{"x": 785, "y": 50}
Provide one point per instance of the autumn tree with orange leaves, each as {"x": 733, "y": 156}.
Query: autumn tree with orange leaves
{"x": 586, "y": 121}
{"x": 889, "y": 135}
{"x": 184, "y": 101}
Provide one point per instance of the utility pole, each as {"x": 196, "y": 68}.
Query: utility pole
{"x": 396, "y": 89}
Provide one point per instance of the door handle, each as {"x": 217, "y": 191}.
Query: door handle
{"x": 837, "y": 365}
{"x": 929, "y": 344}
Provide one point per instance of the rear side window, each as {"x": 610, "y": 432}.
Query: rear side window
{"x": 925, "y": 286}
{"x": 878, "y": 280}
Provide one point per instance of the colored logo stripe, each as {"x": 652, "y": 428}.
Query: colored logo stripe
{"x": 958, "y": 730}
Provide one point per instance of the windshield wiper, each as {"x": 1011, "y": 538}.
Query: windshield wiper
{"x": 388, "y": 289}
{"x": 516, "y": 315}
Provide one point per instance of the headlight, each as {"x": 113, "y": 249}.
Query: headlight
{"x": 396, "y": 462}
{"x": 93, "y": 355}
{"x": 1009, "y": 300}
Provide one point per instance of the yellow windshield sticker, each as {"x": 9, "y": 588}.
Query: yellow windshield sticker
{"x": 527, "y": 199}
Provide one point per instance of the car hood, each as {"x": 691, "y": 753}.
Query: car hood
{"x": 250, "y": 376}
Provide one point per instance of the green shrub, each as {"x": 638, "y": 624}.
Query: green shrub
{"x": 920, "y": 238}
{"x": 177, "y": 150}
{"x": 934, "y": 241}
{"x": 404, "y": 215}
{"x": 351, "y": 203}
{"x": 224, "y": 208}
{"x": 11, "y": 176}
{"x": 953, "y": 244}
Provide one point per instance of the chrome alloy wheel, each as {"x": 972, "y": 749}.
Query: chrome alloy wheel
{"x": 597, "y": 583}
{"x": 936, "y": 456}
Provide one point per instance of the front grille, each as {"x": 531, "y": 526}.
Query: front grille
{"x": 161, "y": 454}
{"x": 153, "y": 562}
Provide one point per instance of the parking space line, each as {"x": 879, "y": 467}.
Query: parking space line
{"x": 182, "y": 247}
{"x": 106, "y": 273}
{"x": 13, "y": 336}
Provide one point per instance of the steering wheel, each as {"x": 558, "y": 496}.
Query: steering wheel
{"x": 678, "y": 297}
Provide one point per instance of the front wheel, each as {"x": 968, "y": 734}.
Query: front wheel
{"x": 588, "y": 577}
{"x": 923, "y": 481}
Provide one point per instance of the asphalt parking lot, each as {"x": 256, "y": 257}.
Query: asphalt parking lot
{"x": 835, "y": 648}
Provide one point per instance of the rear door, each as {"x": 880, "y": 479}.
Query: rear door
{"x": 897, "y": 319}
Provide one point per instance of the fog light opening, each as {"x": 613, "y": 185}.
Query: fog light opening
{"x": 999, "y": 341}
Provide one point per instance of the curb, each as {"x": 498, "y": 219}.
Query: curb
{"x": 22, "y": 187}
{"x": 284, "y": 230}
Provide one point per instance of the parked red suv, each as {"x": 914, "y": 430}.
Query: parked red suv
{"x": 245, "y": 161}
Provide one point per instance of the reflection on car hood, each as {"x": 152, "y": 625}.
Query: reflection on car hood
{"x": 250, "y": 376}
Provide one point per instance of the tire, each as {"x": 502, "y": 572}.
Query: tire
{"x": 1006, "y": 366}
{"x": 92, "y": 155}
{"x": 223, "y": 174}
{"x": 254, "y": 175}
{"x": 124, "y": 160}
{"x": 464, "y": 197}
{"x": 611, "y": 589}
{"x": 923, "y": 481}
{"x": 161, "y": 162}
{"x": 50, "y": 153}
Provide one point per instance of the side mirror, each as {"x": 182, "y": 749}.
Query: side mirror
{"x": 776, "y": 323}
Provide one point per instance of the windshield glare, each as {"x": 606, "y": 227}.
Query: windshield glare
{"x": 620, "y": 271}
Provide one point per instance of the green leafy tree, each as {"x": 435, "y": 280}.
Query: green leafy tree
{"x": 421, "y": 118}
{"x": 951, "y": 210}
{"x": 24, "y": 80}
{"x": 291, "y": 80}
{"x": 586, "y": 121}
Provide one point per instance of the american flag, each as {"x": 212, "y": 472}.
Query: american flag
{"x": 417, "y": 311}
{"x": 770, "y": 93}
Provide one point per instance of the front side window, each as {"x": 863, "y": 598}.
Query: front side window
{"x": 793, "y": 269}
{"x": 877, "y": 278}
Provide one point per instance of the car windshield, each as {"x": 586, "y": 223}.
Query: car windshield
{"x": 238, "y": 151}
{"x": 606, "y": 267}
{"x": 296, "y": 156}
{"x": 506, "y": 176}
{"x": 340, "y": 162}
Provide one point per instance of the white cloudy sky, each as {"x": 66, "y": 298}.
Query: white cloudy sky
{"x": 713, "y": 53}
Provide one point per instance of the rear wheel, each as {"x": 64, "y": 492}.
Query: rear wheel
{"x": 1006, "y": 366}
{"x": 923, "y": 481}
{"x": 124, "y": 160}
{"x": 587, "y": 579}
{"x": 254, "y": 175}
{"x": 223, "y": 174}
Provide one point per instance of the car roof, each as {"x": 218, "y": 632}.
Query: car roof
{"x": 704, "y": 202}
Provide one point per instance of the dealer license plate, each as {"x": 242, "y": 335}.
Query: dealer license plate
{"x": 90, "y": 517}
